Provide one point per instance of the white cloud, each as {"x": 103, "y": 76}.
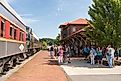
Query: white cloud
{"x": 30, "y": 21}
{"x": 26, "y": 15}
{"x": 29, "y": 18}
{"x": 59, "y": 7}
{"x": 73, "y": 8}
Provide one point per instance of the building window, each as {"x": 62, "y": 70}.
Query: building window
{"x": 74, "y": 29}
{"x": 2, "y": 33}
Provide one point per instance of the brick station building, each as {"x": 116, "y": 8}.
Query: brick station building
{"x": 73, "y": 34}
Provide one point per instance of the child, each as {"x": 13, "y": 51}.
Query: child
{"x": 60, "y": 58}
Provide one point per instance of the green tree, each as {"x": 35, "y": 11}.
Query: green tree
{"x": 44, "y": 45}
{"x": 57, "y": 40}
{"x": 106, "y": 19}
{"x": 49, "y": 41}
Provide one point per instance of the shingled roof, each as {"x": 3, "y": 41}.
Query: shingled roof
{"x": 79, "y": 21}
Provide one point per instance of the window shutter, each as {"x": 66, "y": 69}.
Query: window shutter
{"x": 7, "y": 33}
{"x": 18, "y": 34}
{"x": 0, "y": 26}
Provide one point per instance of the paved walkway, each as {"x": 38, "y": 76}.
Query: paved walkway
{"x": 80, "y": 70}
{"x": 39, "y": 69}
{"x": 42, "y": 68}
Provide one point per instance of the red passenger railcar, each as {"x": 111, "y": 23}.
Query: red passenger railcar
{"x": 12, "y": 36}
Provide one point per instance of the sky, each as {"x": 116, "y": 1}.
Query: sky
{"x": 45, "y": 16}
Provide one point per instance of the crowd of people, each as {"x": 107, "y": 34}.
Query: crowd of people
{"x": 96, "y": 54}
{"x": 92, "y": 54}
{"x": 61, "y": 53}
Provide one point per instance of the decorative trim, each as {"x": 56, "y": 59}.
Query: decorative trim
{"x": 10, "y": 40}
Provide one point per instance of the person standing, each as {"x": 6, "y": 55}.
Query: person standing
{"x": 55, "y": 51}
{"x": 116, "y": 53}
{"x": 113, "y": 56}
{"x": 92, "y": 56}
{"x": 76, "y": 51}
{"x": 99, "y": 55}
{"x": 110, "y": 55}
{"x": 65, "y": 54}
{"x": 60, "y": 57}
{"x": 68, "y": 54}
{"x": 52, "y": 52}
{"x": 86, "y": 52}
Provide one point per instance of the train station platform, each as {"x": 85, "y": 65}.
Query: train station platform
{"x": 80, "y": 70}
{"x": 39, "y": 69}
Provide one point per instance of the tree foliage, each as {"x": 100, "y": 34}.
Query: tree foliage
{"x": 57, "y": 40}
{"x": 106, "y": 19}
{"x": 49, "y": 41}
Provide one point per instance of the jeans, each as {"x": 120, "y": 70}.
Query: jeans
{"x": 92, "y": 59}
{"x": 110, "y": 61}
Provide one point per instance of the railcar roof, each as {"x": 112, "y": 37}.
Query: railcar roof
{"x": 6, "y": 4}
{"x": 35, "y": 36}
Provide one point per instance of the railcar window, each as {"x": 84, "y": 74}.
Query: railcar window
{"x": 11, "y": 32}
{"x": 21, "y": 36}
{"x": 2, "y": 29}
{"x": 15, "y": 34}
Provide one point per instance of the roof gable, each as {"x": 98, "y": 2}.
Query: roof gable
{"x": 79, "y": 21}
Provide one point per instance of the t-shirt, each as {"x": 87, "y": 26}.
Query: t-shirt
{"x": 60, "y": 52}
{"x": 99, "y": 52}
{"x": 91, "y": 53}
{"x": 111, "y": 51}
{"x": 86, "y": 50}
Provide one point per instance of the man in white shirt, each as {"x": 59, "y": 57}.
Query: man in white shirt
{"x": 92, "y": 55}
{"x": 110, "y": 55}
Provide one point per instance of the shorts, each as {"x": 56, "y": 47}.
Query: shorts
{"x": 86, "y": 54}
{"x": 99, "y": 57}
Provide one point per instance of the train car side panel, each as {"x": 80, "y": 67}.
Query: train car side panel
{"x": 2, "y": 48}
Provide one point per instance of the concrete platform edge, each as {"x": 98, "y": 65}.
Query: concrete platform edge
{"x": 67, "y": 76}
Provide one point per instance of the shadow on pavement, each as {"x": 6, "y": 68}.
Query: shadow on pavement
{"x": 51, "y": 61}
{"x": 77, "y": 62}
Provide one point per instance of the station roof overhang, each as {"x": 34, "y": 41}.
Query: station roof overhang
{"x": 79, "y": 33}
